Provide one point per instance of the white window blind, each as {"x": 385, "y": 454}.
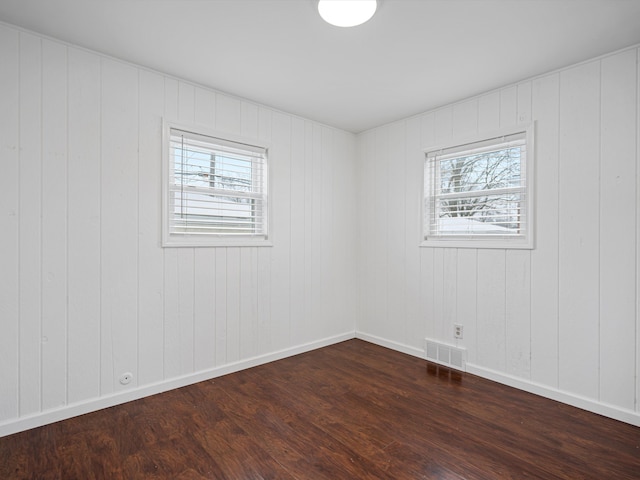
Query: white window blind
{"x": 478, "y": 190}
{"x": 217, "y": 188}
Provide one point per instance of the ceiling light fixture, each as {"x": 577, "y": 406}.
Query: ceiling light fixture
{"x": 346, "y": 13}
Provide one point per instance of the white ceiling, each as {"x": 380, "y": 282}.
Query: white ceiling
{"x": 412, "y": 56}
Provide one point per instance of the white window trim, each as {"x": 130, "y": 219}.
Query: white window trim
{"x": 493, "y": 242}
{"x": 176, "y": 240}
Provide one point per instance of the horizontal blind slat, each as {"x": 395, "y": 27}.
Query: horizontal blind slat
{"x": 217, "y": 186}
{"x": 477, "y": 189}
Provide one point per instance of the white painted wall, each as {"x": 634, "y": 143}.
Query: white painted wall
{"x": 86, "y": 291}
{"x": 561, "y": 319}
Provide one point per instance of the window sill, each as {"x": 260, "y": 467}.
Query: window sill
{"x": 489, "y": 243}
{"x": 216, "y": 242}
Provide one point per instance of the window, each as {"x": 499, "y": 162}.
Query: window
{"x": 215, "y": 190}
{"x": 479, "y": 194}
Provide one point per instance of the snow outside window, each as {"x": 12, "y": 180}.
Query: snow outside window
{"x": 479, "y": 194}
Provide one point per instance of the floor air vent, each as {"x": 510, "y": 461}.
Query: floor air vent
{"x": 447, "y": 355}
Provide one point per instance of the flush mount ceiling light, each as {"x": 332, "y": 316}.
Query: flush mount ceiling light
{"x": 346, "y": 13}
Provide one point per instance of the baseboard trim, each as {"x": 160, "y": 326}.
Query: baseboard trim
{"x": 92, "y": 405}
{"x": 399, "y": 347}
{"x": 611, "y": 411}
{"x": 606, "y": 410}
{"x": 88, "y": 406}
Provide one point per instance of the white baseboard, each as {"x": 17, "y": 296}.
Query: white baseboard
{"x": 398, "y": 347}
{"x": 611, "y": 411}
{"x": 607, "y": 410}
{"x": 92, "y": 405}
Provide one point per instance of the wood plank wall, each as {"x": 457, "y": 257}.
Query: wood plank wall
{"x": 563, "y": 315}
{"x": 86, "y": 291}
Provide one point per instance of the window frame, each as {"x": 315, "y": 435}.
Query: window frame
{"x": 170, "y": 239}
{"x": 525, "y": 241}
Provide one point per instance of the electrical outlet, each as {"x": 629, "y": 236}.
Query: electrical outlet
{"x": 457, "y": 331}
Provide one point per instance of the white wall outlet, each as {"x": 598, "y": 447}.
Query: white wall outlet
{"x": 125, "y": 378}
{"x": 457, "y": 331}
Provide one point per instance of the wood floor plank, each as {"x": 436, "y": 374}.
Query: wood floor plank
{"x": 349, "y": 411}
{"x": 511, "y": 419}
{"x": 300, "y": 440}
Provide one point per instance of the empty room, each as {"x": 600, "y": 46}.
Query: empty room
{"x": 302, "y": 239}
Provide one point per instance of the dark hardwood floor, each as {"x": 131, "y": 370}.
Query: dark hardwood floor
{"x": 349, "y": 411}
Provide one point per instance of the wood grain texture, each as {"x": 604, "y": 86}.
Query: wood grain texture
{"x": 562, "y": 315}
{"x": 349, "y": 411}
{"x": 87, "y": 291}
